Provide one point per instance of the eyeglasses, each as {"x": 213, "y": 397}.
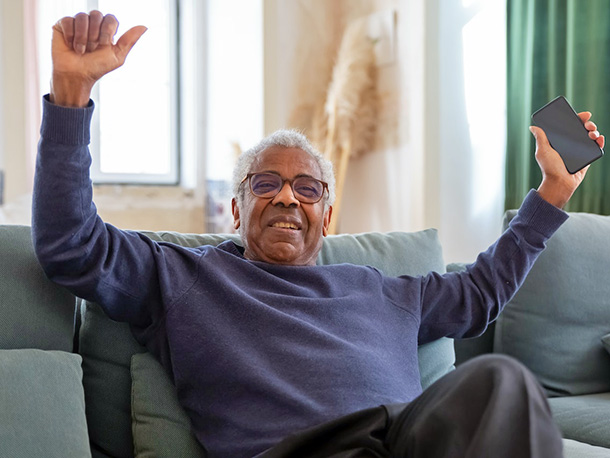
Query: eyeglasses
{"x": 307, "y": 190}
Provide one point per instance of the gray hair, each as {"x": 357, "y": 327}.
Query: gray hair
{"x": 287, "y": 139}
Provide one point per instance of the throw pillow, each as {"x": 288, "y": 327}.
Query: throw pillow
{"x": 161, "y": 428}
{"x": 106, "y": 347}
{"x": 42, "y": 404}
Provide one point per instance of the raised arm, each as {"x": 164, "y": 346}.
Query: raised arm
{"x": 462, "y": 304}
{"x": 123, "y": 271}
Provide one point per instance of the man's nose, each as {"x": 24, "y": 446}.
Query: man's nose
{"x": 286, "y": 196}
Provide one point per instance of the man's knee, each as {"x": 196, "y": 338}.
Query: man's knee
{"x": 470, "y": 408}
{"x": 490, "y": 376}
{"x": 493, "y": 366}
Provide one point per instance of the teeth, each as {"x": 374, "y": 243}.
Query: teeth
{"x": 285, "y": 225}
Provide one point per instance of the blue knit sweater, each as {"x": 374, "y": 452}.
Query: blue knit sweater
{"x": 259, "y": 351}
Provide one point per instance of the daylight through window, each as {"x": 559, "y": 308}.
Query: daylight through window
{"x": 135, "y": 125}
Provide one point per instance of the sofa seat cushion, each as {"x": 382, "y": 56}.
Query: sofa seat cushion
{"x": 555, "y": 322}
{"x": 42, "y": 405}
{"x": 575, "y": 449}
{"x": 584, "y": 418}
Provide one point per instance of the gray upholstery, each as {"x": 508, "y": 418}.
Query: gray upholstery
{"x": 584, "y": 418}
{"x": 556, "y": 324}
{"x": 563, "y": 310}
{"x": 35, "y": 312}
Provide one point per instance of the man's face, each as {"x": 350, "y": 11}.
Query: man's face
{"x": 282, "y": 230}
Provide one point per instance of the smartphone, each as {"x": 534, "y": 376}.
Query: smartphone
{"x": 567, "y": 134}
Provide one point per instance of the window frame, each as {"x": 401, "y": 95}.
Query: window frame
{"x": 172, "y": 178}
{"x": 174, "y": 150}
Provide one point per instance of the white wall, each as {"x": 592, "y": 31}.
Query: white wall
{"x": 466, "y": 113}
{"x": 385, "y": 189}
{"x": 12, "y": 95}
{"x": 438, "y": 158}
{"x": 2, "y": 102}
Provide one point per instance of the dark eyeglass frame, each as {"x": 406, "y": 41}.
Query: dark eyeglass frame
{"x": 298, "y": 196}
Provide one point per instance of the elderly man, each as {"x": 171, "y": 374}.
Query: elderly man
{"x": 271, "y": 354}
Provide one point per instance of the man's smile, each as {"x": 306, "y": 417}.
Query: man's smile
{"x": 283, "y": 225}
{"x": 285, "y": 222}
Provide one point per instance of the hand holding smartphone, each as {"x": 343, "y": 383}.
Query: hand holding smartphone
{"x": 566, "y": 134}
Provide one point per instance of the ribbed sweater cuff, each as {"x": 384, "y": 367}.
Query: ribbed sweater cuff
{"x": 542, "y": 216}
{"x": 67, "y": 126}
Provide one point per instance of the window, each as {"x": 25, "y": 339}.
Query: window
{"x": 136, "y": 123}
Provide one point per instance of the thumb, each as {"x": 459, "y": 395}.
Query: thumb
{"x": 60, "y": 37}
{"x": 128, "y": 40}
{"x": 540, "y": 136}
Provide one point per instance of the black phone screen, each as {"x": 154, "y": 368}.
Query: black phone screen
{"x": 567, "y": 134}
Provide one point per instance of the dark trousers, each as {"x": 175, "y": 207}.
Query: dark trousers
{"x": 490, "y": 406}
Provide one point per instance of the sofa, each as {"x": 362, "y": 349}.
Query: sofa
{"x": 74, "y": 383}
{"x": 558, "y": 325}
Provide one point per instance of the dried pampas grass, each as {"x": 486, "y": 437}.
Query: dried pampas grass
{"x": 351, "y": 102}
{"x": 345, "y": 124}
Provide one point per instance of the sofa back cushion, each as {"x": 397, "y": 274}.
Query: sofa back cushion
{"x": 556, "y": 321}
{"x": 107, "y": 346}
{"x": 35, "y": 313}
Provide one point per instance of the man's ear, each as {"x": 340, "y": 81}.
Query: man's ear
{"x": 235, "y": 211}
{"x": 327, "y": 217}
